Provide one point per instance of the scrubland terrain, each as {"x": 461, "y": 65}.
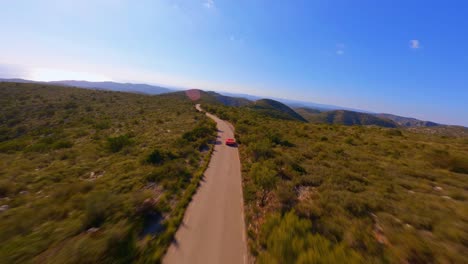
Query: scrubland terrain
{"x": 91, "y": 176}
{"x": 105, "y": 177}
{"x": 319, "y": 193}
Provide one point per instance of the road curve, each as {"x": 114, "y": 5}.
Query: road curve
{"x": 213, "y": 229}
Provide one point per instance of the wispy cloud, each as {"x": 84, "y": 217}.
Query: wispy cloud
{"x": 236, "y": 39}
{"x": 340, "y": 49}
{"x": 414, "y": 44}
{"x": 209, "y": 3}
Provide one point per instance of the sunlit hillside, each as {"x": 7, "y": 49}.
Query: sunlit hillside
{"x": 91, "y": 176}
{"x": 351, "y": 194}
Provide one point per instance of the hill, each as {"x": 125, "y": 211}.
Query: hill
{"x": 228, "y": 100}
{"x": 304, "y": 111}
{"x": 95, "y": 176}
{"x": 407, "y": 121}
{"x": 276, "y": 109}
{"x": 344, "y": 117}
{"x": 351, "y": 194}
{"x": 210, "y": 97}
{"x": 265, "y": 107}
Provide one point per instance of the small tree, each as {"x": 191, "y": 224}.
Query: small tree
{"x": 264, "y": 176}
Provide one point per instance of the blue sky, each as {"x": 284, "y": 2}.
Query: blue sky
{"x": 402, "y": 57}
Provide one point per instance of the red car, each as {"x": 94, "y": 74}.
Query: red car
{"x": 230, "y": 142}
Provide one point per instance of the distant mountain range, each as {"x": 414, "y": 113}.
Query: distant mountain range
{"x": 295, "y": 103}
{"x": 278, "y": 109}
{"x": 281, "y": 108}
{"x": 407, "y": 121}
{"x": 113, "y": 86}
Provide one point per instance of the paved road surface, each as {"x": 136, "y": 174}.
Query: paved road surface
{"x": 213, "y": 229}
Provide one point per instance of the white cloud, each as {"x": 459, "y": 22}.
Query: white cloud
{"x": 236, "y": 39}
{"x": 414, "y": 44}
{"x": 209, "y": 3}
{"x": 340, "y": 49}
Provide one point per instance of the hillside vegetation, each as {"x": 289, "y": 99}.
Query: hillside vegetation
{"x": 91, "y": 176}
{"x": 318, "y": 193}
{"x": 276, "y": 109}
{"x": 345, "y": 117}
{"x": 265, "y": 107}
{"x": 407, "y": 121}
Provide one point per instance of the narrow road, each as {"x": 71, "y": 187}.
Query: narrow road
{"x": 213, "y": 229}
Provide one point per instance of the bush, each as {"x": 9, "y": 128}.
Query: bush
{"x": 265, "y": 177}
{"x": 6, "y": 188}
{"x": 394, "y": 133}
{"x": 174, "y": 176}
{"x": 38, "y": 147}
{"x": 159, "y": 156}
{"x": 120, "y": 244}
{"x": 261, "y": 150}
{"x": 289, "y": 239}
{"x": 61, "y": 144}
{"x": 311, "y": 180}
{"x": 102, "y": 125}
{"x": 286, "y": 196}
{"x": 12, "y": 146}
{"x": 446, "y": 160}
{"x": 115, "y": 144}
{"x": 99, "y": 206}
{"x": 201, "y": 131}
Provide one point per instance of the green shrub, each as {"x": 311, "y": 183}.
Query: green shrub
{"x": 446, "y": 160}
{"x": 350, "y": 141}
{"x": 310, "y": 180}
{"x": 38, "y": 147}
{"x": 197, "y": 133}
{"x": 115, "y": 144}
{"x": 394, "y": 133}
{"x": 286, "y": 196}
{"x": 261, "y": 149}
{"x": 264, "y": 177}
{"x": 7, "y": 187}
{"x": 101, "y": 125}
{"x": 61, "y": 144}
{"x": 99, "y": 206}
{"x": 159, "y": 156}
{"x": 12, "y": 146}
{"x": 289, "y": 239}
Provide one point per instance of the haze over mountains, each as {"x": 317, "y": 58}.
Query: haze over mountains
{"x": 113, "y": 86}
{"x": 283, "y": 108}
{"x": 407, "y": 121}
{"x": 276, "y": 109}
